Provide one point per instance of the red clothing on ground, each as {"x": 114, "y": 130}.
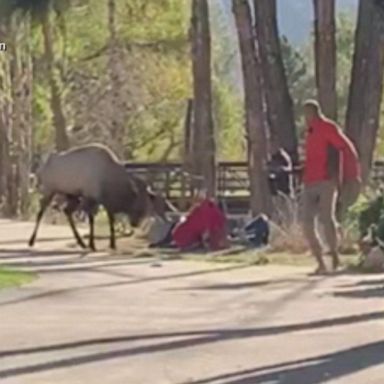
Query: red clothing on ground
{"x": 205, "y": 218}
{"x": 321, "y": 134}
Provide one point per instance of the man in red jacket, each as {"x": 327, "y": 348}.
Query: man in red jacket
{"x": 322, "y": 179}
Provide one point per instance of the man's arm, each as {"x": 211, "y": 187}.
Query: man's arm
{"x": 339, "y": 140}
{"x": 350, "y": 159}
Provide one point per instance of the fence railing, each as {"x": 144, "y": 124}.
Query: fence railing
{"x": 232, "y": 181}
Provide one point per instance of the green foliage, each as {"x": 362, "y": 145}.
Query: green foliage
{"x": 300, "y": 67}
{"x": 300, "y": 76}
{"x": 43, "y": 135}
{"x": 228, "y": 117}
{"x": 370, "y": 214}
{"x": 154, "y": 73}
{"x": 378, "y": 233}
{"x": 345, "y": 45}
{"x": 227, "y": 101}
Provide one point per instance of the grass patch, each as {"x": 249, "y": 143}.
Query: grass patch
{"x": 14, "y": 279}
{"x": 265, "y": 257}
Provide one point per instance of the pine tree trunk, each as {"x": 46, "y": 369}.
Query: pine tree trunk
{"x": 61, "y": 136}
{"x": 325, "y": 56}
{"x": 187, "y": 149}
{"x": 254, "y": 110}
{"x": 116, "y": 131}
{"x": 5, "y": 137}
{"x": 203, "y": 138}
{"x": 25, "y": 144}
{"x": 363, "y": 114}
{"x": 16, "y": 123}
{"x": 4, "y": 115}
{"x": 279, "y": 102}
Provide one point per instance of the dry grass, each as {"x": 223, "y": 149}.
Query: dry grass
{"x": 286, "y": 232}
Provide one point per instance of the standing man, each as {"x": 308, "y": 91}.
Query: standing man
{"x": 321, "y": 182}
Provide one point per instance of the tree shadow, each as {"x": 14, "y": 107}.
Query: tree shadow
{"x": 225, "y": 287}
{"x": 315, "y": 370}
{"x": 238, "y": 286}
{"x": 139, "y": 280}
{"x": 22, "y": 253}
{"x": 312, "y": 369}
{"x": 52, "y": 239}
{"x": 46, "y": 261}
{"x": 366, "y": 289}
{"x": 371, "y": 293}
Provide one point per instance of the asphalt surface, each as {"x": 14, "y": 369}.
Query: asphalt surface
{"x": 115, "y": 319}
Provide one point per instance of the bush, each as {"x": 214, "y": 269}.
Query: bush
{"x": 370, "y": 215}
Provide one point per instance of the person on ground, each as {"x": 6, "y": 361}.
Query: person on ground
{"x": 204, "y": 226}
{"x": 321, "y": 183}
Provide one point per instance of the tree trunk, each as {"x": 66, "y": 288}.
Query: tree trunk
{"x": 16, "y": 123}
{"x": 254, "y": 109}
{"x": 25, "y": 135}
{"x": 279, "y": 101}
{"x": 61, "y": 136}
{"x": 363, "y": 115}
{"x": 5, "y": 120}
{"x": 203, "y": 141}
{"x": 116, "y": 131}
{"x": 325, "y": 56}
{"x": 187, "y": 149}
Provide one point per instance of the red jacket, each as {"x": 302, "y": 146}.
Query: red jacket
{"x": 323, "y": 133}
{"x": 205, "y": 218}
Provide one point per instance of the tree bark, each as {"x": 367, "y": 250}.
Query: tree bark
{"x": 186, "y": 148}
{"x": 363, "y": 114}
{"x": 203, "y": 141}
{"x": 16, "y": 123}
{"x": 254, "y": 109}
{"x": 279, "y": 102}
{"x": 116, "y": 107}
{"x": 5, "y": 120}
{"x": 325, "y": 56}
{"x": 25, "y": 136}
{"x": 61, "y": 136}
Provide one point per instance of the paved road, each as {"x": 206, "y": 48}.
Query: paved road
{"x": 112, "y": 319}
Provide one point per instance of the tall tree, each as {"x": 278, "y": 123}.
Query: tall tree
{"x": 6, "y": 124}
{"x": 203, "y": 136}
{"x": 279, "y": 101}
{"x": 254, "y": 109}
{"x": 42, "y": 12}
{"x": 116, "y": 128}
{"x": 363, "y": 115}
{"x": 325, "y": 56}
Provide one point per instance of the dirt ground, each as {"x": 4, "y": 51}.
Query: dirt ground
{"x": 114, "y": 319}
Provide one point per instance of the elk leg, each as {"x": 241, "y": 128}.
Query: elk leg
{"x": 91, "y": 220}
{"x": 90, "y": 207}
{"x": 112, "y": 239}
{"x": 44, "y": 203}
{"x": 72, "y": 204}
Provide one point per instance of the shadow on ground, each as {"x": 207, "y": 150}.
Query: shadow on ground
{"x": 313, "y": 370}
{"x": 365, "y": 289}
{"x": 133, "y": 279}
